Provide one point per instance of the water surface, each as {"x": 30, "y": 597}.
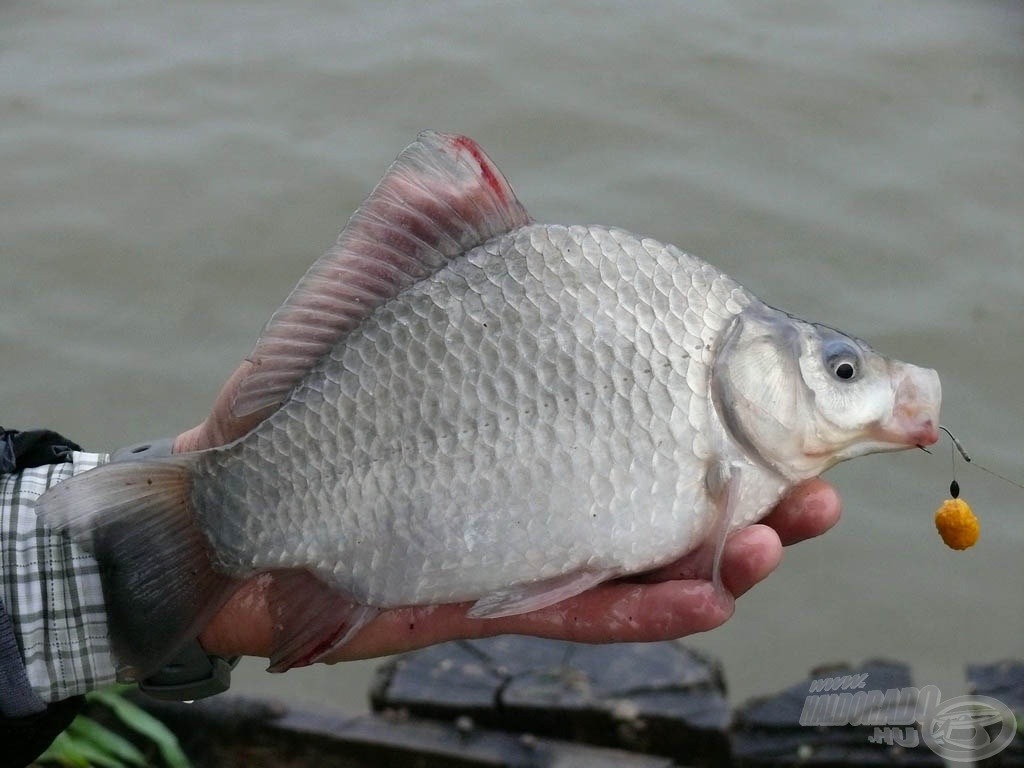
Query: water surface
{"x": 170, "y": 171}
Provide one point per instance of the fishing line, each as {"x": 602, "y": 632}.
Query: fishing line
{"x": 959, "y": 447}
{"x": 963, "y": 452}
{"x": 954, "y": 486}
{"x": 955, "y": 521}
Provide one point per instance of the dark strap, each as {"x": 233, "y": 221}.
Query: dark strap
{"x": 33, "y": 448}
{"x": 25, "y": 738}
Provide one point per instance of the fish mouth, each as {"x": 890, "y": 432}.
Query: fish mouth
{"x": 914, "y": 421}
{"x": 909, "y": 431}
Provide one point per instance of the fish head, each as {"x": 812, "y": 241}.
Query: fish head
{"x": 802, "y": 397}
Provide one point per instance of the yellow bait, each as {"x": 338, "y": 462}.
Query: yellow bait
{"x": 958, "y": 525}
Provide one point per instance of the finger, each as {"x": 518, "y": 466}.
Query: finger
{"x": 222, "y": 426}
{"x": 616, "y": 612}
{"x": 808, "y": 511}
{"x": 750, "y": 556}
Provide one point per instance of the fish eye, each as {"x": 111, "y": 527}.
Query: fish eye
{"x": 845, "y": 370}
{"x": 842, "y": 361}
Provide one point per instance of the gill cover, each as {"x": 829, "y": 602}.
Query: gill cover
{"x": 755, "y": 383}
{"x": 799, "y": 397}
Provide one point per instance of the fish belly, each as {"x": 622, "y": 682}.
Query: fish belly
{"x": 537, "y": 407}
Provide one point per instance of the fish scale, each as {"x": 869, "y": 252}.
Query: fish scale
{"x": 464, "y": 468}
{"x": 464, "y": 405}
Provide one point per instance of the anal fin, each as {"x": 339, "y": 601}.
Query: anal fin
{"x": 311, "y": 619}
{"x": 524, "y": 598}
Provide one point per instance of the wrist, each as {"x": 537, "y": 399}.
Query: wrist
{"x": 243, "y": 625}
{"x": 193, "y": 672}
{"x": 56, "y": 606}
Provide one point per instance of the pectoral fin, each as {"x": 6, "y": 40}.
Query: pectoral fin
{"x": 723, "y": 484}
{"x": 524, "y": 598}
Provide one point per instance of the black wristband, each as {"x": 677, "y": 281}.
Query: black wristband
{"x": 192, "y": 674}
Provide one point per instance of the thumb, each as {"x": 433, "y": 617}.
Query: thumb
{"x": 222, "y": 426}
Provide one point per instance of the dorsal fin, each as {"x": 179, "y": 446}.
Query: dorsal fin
{"x": 441, "y": 197}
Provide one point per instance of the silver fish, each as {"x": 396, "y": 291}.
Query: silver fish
{"x": 473, "y": 406}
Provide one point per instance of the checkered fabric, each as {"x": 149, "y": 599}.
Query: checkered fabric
{"x": 51, "y": 589}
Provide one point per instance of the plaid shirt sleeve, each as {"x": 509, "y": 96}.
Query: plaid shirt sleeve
{"x": 51, "y": 589}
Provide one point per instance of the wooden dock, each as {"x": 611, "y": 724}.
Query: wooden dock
{"x": 526, "y": 702}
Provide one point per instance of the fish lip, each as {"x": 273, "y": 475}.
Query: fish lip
{"x": 914, "y": 420}
{"x": 908, "y": 432}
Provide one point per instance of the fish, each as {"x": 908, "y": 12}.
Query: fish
{"x": 462, "y": 404}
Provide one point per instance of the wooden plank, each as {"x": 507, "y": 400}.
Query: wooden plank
{"x": 649, "y": 698}
{"x": 1002, "y": 680}
{"x": 231, "y": 732}
{"x": 767, "y": 729}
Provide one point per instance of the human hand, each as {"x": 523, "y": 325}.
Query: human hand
{"x": 668, "y": 603}
{"x": 663, "y": 605}
{"x": 221, "y": 426}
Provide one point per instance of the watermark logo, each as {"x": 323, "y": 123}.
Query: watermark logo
{"x": 961, "y": 729}
{"x": 958, "y": 731}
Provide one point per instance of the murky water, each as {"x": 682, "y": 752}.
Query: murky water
{"x": 167, "y": 173}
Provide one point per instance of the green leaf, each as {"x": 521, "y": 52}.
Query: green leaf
{"x": 143, "y": 723}
{"x": 105, "y": 740}
{"x": 63, "y": 751}
{"x": 79, "y": 753}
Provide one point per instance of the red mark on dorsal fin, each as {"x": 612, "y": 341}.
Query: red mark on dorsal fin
{"x": 440, "y": 198}
{"x": 487, "y": 169}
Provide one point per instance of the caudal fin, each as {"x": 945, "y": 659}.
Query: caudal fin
{"x": 136, "y": 519}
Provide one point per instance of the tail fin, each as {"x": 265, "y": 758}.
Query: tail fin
{"x": 136, "y": 518}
